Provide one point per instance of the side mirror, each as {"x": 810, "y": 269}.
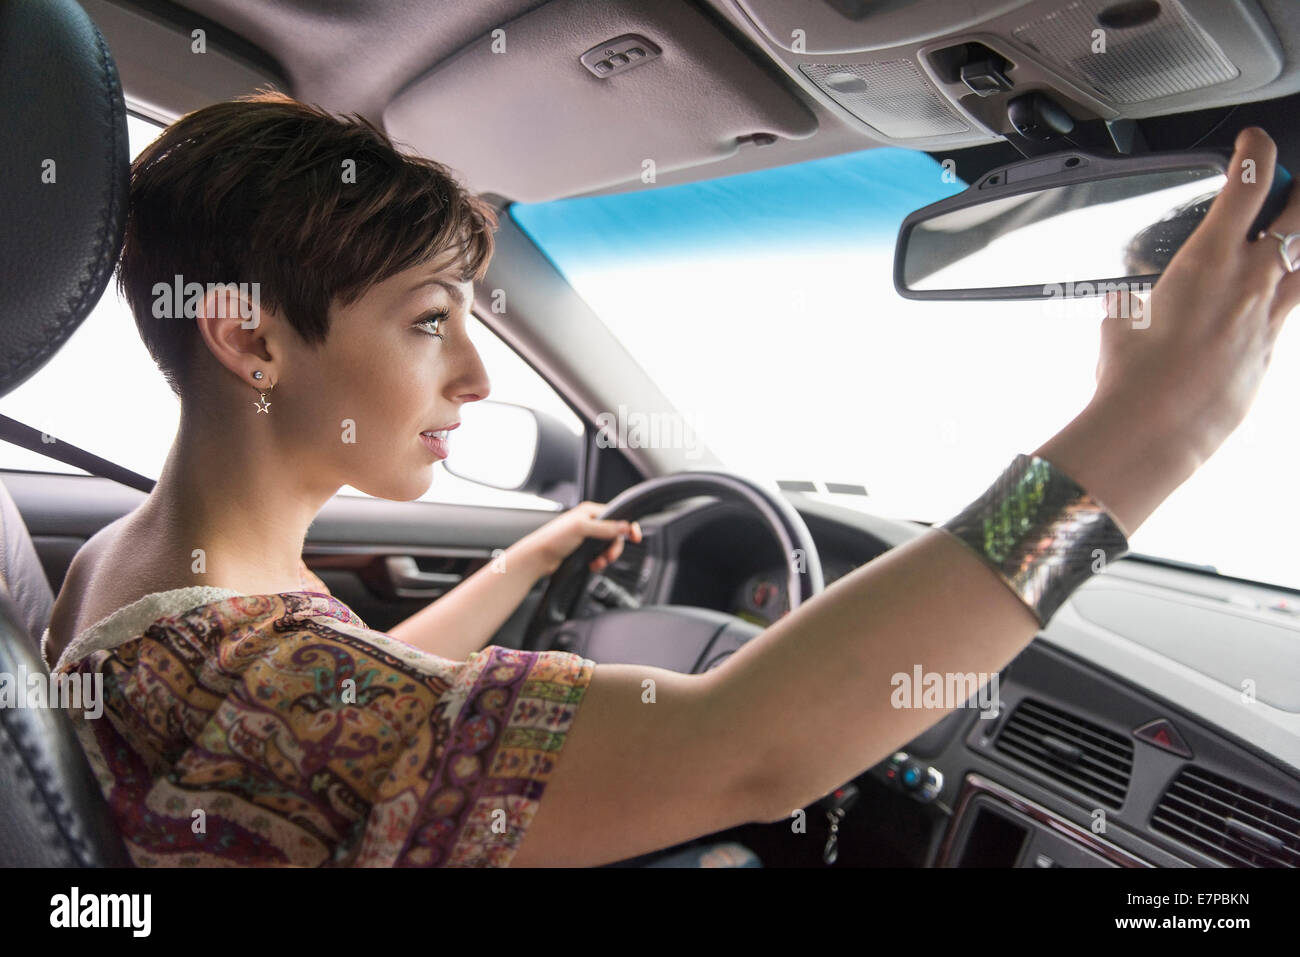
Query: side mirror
{"x": 515, "y": 448}
{"x": 1065, "y": 224}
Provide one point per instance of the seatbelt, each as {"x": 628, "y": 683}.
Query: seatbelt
{"x": 16, "y": 433}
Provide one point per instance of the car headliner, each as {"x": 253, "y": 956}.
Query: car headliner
{"x": 354, "y": 56}
{"x": 361, "y": 55}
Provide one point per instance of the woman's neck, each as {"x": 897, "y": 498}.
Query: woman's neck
{"x": 235, "y": 513}
{"x": 230, "y": 517}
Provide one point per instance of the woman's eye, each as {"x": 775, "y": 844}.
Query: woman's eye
{"x": 433, "y": 324}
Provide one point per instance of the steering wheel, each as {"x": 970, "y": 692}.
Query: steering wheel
{"x": 677, "y": 637}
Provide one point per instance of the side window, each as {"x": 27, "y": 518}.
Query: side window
{"x": 102, "y": 392}
{"x": 513, "y": 381}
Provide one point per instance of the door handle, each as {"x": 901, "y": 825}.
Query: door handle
{"x": 410, "y": 582}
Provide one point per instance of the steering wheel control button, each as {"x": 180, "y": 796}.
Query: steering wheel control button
{"x": 1165, "y": 736}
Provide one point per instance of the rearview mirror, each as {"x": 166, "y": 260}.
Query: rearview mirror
{"x": 1068, "y": 224}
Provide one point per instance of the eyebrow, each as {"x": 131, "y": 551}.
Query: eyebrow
{"x": 453, "y": 291}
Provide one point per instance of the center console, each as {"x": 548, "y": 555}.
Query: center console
{"x": 995, "y": 827}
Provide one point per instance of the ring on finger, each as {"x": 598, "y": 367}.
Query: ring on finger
{"x": 1283, "y": 242}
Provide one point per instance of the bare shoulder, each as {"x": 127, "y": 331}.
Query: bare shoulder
{"x": 77, "y": 603}
{"x": 105, "y": 537}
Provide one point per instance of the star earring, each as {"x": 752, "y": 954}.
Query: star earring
{"x": 262, "y": 405}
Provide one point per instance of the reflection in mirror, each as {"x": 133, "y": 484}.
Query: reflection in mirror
{"x": 495, "y": 445}
{"x": 1121, "y": 227}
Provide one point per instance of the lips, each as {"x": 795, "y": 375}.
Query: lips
{"x": 435, "y": 440}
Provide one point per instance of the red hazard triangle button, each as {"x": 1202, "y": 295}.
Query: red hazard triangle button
{"x": 1163, "y": 735}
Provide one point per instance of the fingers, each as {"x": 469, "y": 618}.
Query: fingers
{"x": 1285, "y": 299}
{"x": 606, "y": 528}
{"x": 607, "y": 557}
{"x": 1249, "y": 176}
{"x": 1271, "y": 250}
{"x": 616, "y": 530}
{"x": 592, "y": 526}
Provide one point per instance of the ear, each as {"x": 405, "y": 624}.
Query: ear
{"x": 237, "y": 331}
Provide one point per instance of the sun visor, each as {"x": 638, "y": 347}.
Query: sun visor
{"x": 578, "y": 95}
{"x": 173, "y": 61}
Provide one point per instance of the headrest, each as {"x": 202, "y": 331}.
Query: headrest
{"x": 66, "y": 165}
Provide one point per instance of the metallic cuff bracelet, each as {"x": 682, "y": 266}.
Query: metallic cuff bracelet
{"x": 1042, "y": 533}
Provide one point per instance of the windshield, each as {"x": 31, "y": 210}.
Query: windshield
{"x": 763, "y": 306}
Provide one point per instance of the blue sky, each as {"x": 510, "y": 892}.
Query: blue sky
{"x": 853, "y": 198}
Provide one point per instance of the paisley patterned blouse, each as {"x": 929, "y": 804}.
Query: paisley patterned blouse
{"x": 278, "y": 730}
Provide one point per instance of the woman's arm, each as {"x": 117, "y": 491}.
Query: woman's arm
{"x": 797, "y": 711}
{"x": 807, "y": 705}
{"x": 464, "y": 620}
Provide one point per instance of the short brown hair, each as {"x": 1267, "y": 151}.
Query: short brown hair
{"x": 260, "y": 189}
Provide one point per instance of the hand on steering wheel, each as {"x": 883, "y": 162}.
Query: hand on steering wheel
{"x": 672, "y": 636}
{"x": 558, "y": 538}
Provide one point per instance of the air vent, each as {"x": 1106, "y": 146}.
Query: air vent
{"x": 1084, "y": 756}
{"x": 1232, "y": 823}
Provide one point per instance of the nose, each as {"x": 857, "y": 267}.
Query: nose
{"x": 470, "y": 382}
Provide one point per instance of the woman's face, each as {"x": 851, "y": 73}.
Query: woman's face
{"x": 383, "y": 376}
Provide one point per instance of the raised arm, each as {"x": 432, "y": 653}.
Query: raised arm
{"x": 806, "y": 705}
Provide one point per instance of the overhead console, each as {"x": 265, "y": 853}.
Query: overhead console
{"x": 929, "y": 74}
{"x": 574, "y": 72}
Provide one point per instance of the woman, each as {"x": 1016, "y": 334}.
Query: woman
{"x": 253, "y": 719}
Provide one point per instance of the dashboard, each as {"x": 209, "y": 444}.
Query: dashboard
{"x": 1089, "y": 762}
{"x": 718, "y": 556}
{"x": 762, "y": 597}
